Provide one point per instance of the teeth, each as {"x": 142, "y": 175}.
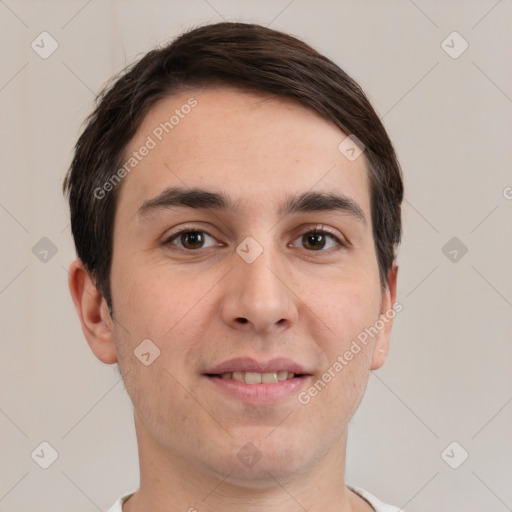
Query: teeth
{"x": 239, "y": 376}
{"x": 269, "y": 378}
{"x": 283, "y": 375}
{"x": 258, "y": 378}
{"x": 253, "y": 377}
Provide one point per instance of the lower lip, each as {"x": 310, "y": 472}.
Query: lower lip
{"x": 260, "y": 393}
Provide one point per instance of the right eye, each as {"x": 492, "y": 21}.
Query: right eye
{"x": 190, "y": 240}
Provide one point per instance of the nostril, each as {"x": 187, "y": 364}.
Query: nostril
{"x": 242, "y": 320}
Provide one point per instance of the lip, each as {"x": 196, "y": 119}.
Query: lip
{"x": 258, "y": 394}
{"x": 247, "y": 364}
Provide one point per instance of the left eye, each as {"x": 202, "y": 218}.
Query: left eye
{"x": 191, "y": 239}
{"x": 319, "y": 240}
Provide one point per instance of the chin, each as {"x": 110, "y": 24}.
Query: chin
{"x": 261, "y": 463}
{"x": 262, "y": 475}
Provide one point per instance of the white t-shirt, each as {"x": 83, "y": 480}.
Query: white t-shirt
{"x": 370, "y": 498}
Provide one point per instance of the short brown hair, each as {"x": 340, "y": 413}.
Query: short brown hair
{"x": 247, "y": 56}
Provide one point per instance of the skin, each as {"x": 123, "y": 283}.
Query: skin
{"x": 303, "y": 303}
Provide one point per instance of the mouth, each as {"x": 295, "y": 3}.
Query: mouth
{"x": 259, "y": 383}
{"x": 256, "y": 377}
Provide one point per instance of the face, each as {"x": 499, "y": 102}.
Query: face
{"x": 243, "y": 250}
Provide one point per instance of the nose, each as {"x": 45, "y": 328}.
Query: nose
{"x": 258, "y": 297}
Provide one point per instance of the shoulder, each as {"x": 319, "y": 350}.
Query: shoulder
{"x": 378, "y": 505}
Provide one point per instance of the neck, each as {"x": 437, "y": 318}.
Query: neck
{"x": 170, "y": 484}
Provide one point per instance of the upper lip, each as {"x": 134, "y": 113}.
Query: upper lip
{"x": 247, "y": 364}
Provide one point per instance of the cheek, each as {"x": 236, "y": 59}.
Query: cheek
{"x": 171, "y": 308}
{"x": 151, "y": 300}
{"x": 346, "y": 311}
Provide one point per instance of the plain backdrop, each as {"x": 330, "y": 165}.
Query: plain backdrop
{"x": 447, "y": 109}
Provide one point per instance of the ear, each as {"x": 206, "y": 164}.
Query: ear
{"x": 92, "y": 310}
{"x": 387, "y": 313}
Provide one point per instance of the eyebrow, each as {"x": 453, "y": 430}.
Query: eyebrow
{"x": 197, "y": 198}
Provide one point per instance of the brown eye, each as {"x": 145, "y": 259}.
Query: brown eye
{"x": 319, "y": 241}
{"x": 190, "y": 240}
{"x": 314, "y": 241}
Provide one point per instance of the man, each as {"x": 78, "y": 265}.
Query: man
{"x": 235, "y": 206}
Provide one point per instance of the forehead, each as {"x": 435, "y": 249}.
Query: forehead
{"x": 256, "y": 148}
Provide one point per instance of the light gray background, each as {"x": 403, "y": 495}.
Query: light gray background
{"x": 448, "y": 375}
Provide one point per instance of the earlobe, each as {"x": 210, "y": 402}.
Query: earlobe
{"x": 387, "y": 314}
{"x": 93, "y": 313}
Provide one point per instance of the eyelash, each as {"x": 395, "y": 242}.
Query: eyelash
{"x": 316, "y": 229}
